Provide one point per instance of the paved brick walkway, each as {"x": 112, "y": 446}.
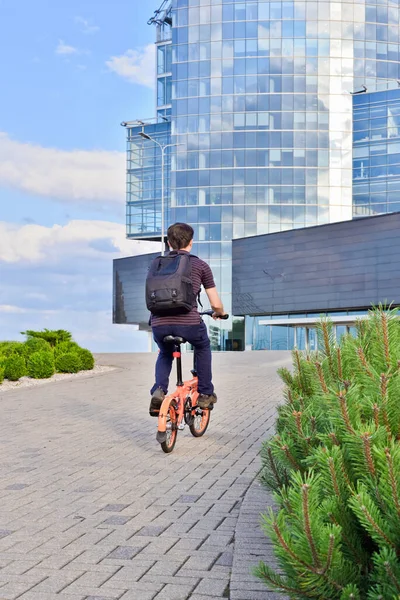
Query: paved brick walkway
{"x": 92, "y": 509}
{"x": 252, "y": 546}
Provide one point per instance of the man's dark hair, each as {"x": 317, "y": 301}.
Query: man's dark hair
{"x": 179, "y": 235}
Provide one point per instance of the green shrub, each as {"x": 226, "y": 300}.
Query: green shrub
{"x": 14, "y": 367}
{"x": 68, "y": 363}
{"x": 87, "y": 359}
{"x": 51, "y": 336}
{"x": 9, "y": 348}
{"x": 334, "y": 465}
{"x": 41, "y": 365}
{"x": 33, "y": 345}
{"x": 1, "y": 375}
{"x": 66, "y": 348}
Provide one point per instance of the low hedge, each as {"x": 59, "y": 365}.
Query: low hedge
{"x": 68, "y": 363}
{"x": 9, "y": 348}
{"x": 41, "y": 365}
{"x": 66, "y": 348}
{"x": 33, "y": 345}
{"x": 1, "y": 375}
{"x": 42, "y": 354}
{"x": 14, "y": 367}
{"x": 87, "y": 359}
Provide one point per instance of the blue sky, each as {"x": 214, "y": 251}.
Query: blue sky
{"x": 71, "y": 71}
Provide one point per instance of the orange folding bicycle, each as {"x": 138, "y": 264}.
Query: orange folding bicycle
{"x": 180, "y": 408}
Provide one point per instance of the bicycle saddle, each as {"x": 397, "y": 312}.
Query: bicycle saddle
{"x": 171, "y": 339}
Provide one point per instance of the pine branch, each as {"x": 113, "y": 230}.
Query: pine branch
{"x": 375, "y": 525}
{"x": 287, "y": 548}
{"x": 345, "y": 412}
{"x": 391, "y": 576}
{"x": 392, "y": 480}
{"x": 289, "y": 396}
{"x": 385, "y": 331}
{"x": 332, "y": 471}
{"x": 363, "y": 360}
{"x": 313, "y": 425}
{"x": 321, "y": 377}
{"x": 366, "y": 441}
{"x": 376, "y": 410}
{"x": 327, "y": 345}
{"x": 277, "y": 581}
{"x": 346, "y": 540}
{"x": 329, "y": 555}
{"x": 334, "y": 439}
{"x": 339, "y": 363}
{"x": 359, "y": 504}
{"x": 307, "y": 527}
{"x": 297, "y": 416}
{"x": 290, "y": 457}
{"x": 273, "y": 468}
{"x": 384, "y": 396}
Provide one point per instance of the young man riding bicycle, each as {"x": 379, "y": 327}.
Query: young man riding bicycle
{"x": 184, "y": 321}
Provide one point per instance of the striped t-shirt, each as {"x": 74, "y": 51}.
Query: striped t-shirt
{"x": 201, "y": 276}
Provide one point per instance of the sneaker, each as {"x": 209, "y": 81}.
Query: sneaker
{"x": 205, "y": 400}
{"x": 156, "y": 401}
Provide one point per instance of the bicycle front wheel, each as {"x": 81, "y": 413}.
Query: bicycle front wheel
{"x": 172, "y": 431}
{"x": 200, "y": 422}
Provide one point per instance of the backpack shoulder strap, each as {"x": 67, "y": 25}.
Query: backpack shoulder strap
{"x": 198, "y": 295}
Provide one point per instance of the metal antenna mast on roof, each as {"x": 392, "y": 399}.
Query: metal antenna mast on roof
{"x": 161, "y": 15}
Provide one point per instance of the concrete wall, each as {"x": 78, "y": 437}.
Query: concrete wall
{"x": 346, "y": 265}
{"x": 129, "y": 278}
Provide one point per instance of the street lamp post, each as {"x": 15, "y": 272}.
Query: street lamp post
{"x": 162, "y": 147}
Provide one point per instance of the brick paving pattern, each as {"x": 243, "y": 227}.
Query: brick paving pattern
{"x": 251, "y": 547}
{"x": 92, "y": 509}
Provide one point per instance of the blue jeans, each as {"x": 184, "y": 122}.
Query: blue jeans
{"x": 197, "y": 336}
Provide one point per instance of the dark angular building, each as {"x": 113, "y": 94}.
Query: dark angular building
{"x": 283, "y": 282}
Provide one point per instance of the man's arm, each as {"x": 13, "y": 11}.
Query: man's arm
{"x": 215, "y": 302}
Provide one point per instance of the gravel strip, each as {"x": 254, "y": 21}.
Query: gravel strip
{"x": 26, "y": 382}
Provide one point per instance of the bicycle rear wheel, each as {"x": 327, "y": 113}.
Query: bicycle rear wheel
{"x": 172, "y": 431}
{"x": 200, "y": 422}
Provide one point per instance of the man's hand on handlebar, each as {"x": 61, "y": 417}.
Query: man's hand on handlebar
{"x": 219, "y": 315}
{"x": 215, "y": 314}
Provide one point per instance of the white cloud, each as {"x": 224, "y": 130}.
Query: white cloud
{"x": 86, "y": 26}
{"x": 93, "y": 176}
{"x": 76, "y": 241}
{"x": 7, "y": 308}
{"x": 64, "y": 49}
{"x": 137, "y": 66}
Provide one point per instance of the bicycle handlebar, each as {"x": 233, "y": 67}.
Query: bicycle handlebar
{"x": 210, "y": 313}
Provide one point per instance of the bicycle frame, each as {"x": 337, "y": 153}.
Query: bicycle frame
{"x": 180, "y": 407}
{"x": 184, "y": 390}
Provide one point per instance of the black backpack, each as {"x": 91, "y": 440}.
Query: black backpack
{"x": 169, "y": 287}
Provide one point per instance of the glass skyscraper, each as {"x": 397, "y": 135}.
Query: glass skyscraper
{"x": 376, "y": 153}
{"x": 259, "y": 100}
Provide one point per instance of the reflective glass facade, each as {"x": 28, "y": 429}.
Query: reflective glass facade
{"x": 376, "y": 153}
{"x": 259, "y": 96}
{"x": 163, "y": 20}
{"x": 144, "y": 161}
